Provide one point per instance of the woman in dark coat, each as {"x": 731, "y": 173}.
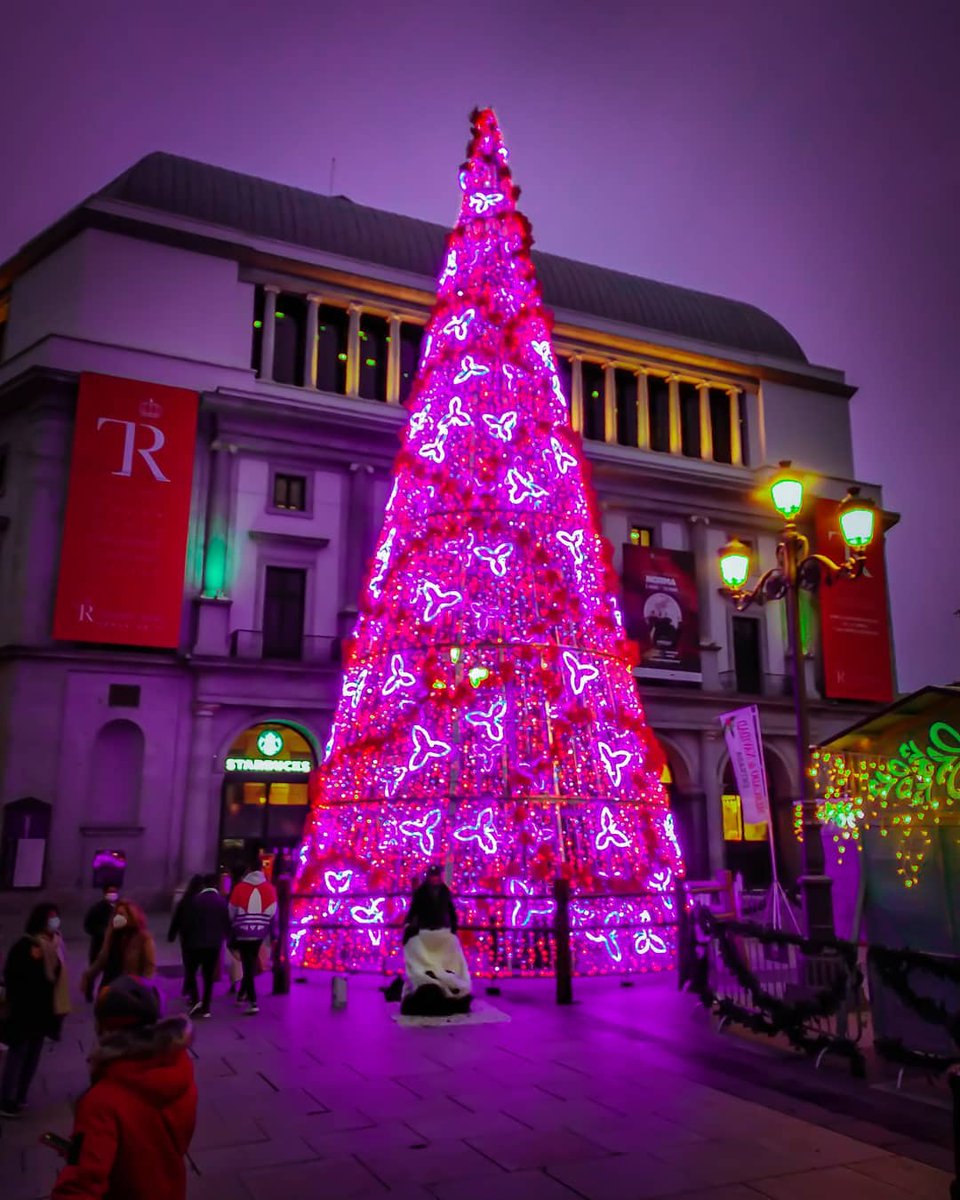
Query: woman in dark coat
{"x": 37, "y": 998}
{"x": 178, "y": 931}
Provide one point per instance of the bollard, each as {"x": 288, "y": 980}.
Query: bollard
{"x": 339, "y": 991}
{"x": 561, "y": 929}
{"x": 953, "y": 1078}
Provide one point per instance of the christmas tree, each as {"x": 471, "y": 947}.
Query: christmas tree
{"x": 489, "y": 718}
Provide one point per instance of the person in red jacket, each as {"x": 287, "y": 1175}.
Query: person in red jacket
{"x": 134, "y": 1124}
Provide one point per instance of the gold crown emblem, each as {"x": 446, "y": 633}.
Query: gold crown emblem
{"x": 150, "y": 408}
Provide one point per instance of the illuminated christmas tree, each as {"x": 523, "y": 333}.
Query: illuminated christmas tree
{"x": 489, "y": 718}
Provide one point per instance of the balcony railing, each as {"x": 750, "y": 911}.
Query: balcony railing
{"x": 313, "y": 649}
{"x": 770, "y": 685}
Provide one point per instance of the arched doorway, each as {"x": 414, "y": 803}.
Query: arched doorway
{"x": 689, "y": 809}
{"x": 263, "y": 798}
{"x": 746, "y": 846}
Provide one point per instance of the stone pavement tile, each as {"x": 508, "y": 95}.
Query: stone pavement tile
{"x": 213, "y": 1131}
{"x": 749, "y": 1157}
{"x": 457, "y": 1122}
{"x": 436, "y": 1162}
{"x": 832, "y": 1183}
{"x": 333, "y": 1179}
{"x": 736, "y": 1191}
{"x": 939, "y": 1157}
{"x": 521, "y": 1185}
{"x": 914, "y": 1178}
{"x": 273, "y": 1151}
{"x": 381, "y": 1099}
{"x": 275, "y": 1121}
{"x": 626, "y": 1135}
{"x": 526, "y": 1149}
{"x": 384, "y": 1135}
{"x": 626, "y": 1177}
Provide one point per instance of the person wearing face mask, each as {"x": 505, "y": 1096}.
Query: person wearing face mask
{"x": 95, "y": 926}
{"x": 128, "y": 948}
{"x": 38, "y": 998}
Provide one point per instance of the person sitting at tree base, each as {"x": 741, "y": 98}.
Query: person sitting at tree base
{"x": 438, "y": 979}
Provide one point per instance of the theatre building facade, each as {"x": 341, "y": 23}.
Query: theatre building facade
{"x": 202, "y": 379}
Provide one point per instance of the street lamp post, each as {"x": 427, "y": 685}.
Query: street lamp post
{"x": 797, "y": 568}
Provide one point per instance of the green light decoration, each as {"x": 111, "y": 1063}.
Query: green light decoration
{"x": 269, "y": 743}
{"x": 370, "y": 362}
{"x": 909, "y": 797}
{"x": 734, "y": 564}
{"x": 857, "y": 520}
{"x": 215, "y": 567}
{"x": 258, "y": 324}
{"x": 786, "y": 492}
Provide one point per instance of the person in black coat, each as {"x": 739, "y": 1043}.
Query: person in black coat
{"x": 205, "y": 927}
{"x": 176, "y": 932}
{"x": 432, "y": 906}
{"x": 95, "y": 926}
{"x": 33, "y": 975}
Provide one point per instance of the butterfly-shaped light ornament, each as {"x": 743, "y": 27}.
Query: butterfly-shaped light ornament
{"x": 459, "y": 326}
{"x": 563, "y": 458}
{"x": 545, "y": 353}
{"x": 573, "y": 541}
{"x": 522, "y": 487}
{"x": 468, "y": 368}
{"x": 338, "y": 882}
{"x": 399, "y": 677}
{"x": 436, "y": 450}
{"x": 646, "y": 941}
{"x": 370, "y": 914}
{"x": 450, "y": 269}
{"x": 610, "y": 832}
{"x": 495, "y": 558}
{"x": 509, "y": 373}
{"x": 438, "y": 601}
{"x": 423, "y": 831}
{"x": 392, "y": 784}
{"x": 579, "y": 673}
{"x": 608, "y": 938}
{"x": 353, "y": 686}
{"x": 425, "y": 748}
{"x": 484, "y": 832}
{"x": 482, "y": 202}
{"x": 501, "y": 427}
{"x": 417, "y": 423}
{"x": 527, "y": 906}
{"x": 455, "y": 415}
{"x": 614, "y": 761}
{"x": 558, "y": 393}
{"x": 382, "y": 557}
{"x": 491, "y": 721}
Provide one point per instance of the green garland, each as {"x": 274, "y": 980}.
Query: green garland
{"x": 894, "y": 968}
{"x": 770, "y": 1015}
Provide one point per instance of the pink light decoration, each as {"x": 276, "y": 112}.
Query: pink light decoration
{"x": 489, "y": 717}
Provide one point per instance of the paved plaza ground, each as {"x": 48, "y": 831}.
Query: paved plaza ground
{"x": 628, "y": 1094}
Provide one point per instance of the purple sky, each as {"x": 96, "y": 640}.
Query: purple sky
{"x": 801, "y": 155}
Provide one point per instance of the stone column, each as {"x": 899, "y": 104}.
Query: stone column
{"x": 310, "y": 348}
{"x": 643, "y": 411}
{"x": 706, "y": 426}
{"x": 393, "y": 361}
{"x": 353, "y": 351}
{"x": 736, "y": 445}
{"x": 707, "y": 583}
{"x": 576, "y": 393}
{"x": 609, "y": 404}
{"x": 676, "y": 442}
{"x": 711, "y": 750}
{"x": 355, "y": 529}
{"x": 269, "y": 338}
{"x": 197, "y": 850}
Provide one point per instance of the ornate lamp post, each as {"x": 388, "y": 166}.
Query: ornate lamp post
{"x": 797, "y": 568}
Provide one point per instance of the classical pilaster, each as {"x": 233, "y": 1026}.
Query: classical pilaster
{"x": 310, "y": 348}
{"x": 706, "y": 426}
{"x": 353, "y": 351}
{"x": 711, "y": 752}
{"x": 736, "y": 443}
{"x": 643, "y": 411}
{"x": 676, "y": 443}
{"x": 576, "y": 393}
{"x": 393, "y": 361}
{"x": 357, "y": 517}
{"x": 609, "y": 403}
{"x": 706, "y": 598}
{"x": 202, "y": 797}
{"x": 268, "y": 339}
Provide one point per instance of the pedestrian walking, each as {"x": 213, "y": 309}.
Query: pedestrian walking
{"x": 95, "y": 926}
{"x": 134, "y": 1124}
{"x": 38, "y": 999}
{"x": 176, "y": 930}
{"x": 128, "y": 948}
{"x": 253, "y": 909}
{"x": 206, "y": 926}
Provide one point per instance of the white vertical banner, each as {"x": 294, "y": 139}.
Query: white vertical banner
{"x": 741, "y": 730}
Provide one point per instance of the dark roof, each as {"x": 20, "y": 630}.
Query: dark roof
{"x": 885, "y": 730}
{"x": 334, "y": 224}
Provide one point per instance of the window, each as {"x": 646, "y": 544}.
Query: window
{"x": 565, "y": 375}
{"x": 744, "y": 443}
{"x": 374, "y": 347}
{"x": 290, "y": 339}
{"x": 746, "y": 655}
{"x": 689, "y": 420}
{"x": 256, "y": 349}
{"x": 594, "y": 386}
{"x": 625, "y": 384}
{"x": 659, "y": 398}
{"x": 332, "y": 333}
{"x": 720, "y": 425}
{"x": 641, "y": 535}
{"x": 411, "y": 338}
{"x": 290, "y": 492}
{"x": 124, "y": 695}
{"x": 4, "y": 455}
{"x": 283, "y": 609}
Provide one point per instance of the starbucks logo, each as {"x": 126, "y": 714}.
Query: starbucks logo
{"x": 270, "y": 743}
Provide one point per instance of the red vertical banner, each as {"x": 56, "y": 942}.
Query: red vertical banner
{"x": 854, "y": 619}
{"x": 125, "y": 531}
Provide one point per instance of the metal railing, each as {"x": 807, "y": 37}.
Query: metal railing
{"x": 773, "y": 686}
{"x": 314, "y": 649}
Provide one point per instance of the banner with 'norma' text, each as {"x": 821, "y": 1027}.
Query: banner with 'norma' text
{"x": 128, "y": 509}
{"x": 741, "y": 731}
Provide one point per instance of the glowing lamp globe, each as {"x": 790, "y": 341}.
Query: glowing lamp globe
{"x": 786, "y": 492}
{"x": 734, "y": 564}
{"x": 857, "y": 518}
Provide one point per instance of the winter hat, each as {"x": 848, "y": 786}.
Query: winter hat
{"x": 128, "y": 1002}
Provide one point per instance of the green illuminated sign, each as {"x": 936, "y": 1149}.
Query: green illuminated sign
{"x": 270, "y": 743}
{"x": 279, "y": 766}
